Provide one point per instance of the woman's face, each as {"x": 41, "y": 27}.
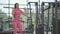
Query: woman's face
{"x": 17, "y": 5}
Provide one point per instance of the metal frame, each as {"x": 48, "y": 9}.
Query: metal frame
{"x": 30, "y": 10}
{"x": 36, "y": 5}
{"x": 42, "y": 10}
{"x": 55, "y": 24}
{"x": 42, "y": 17}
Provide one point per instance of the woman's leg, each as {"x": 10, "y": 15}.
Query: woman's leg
{"x": 20, "y": 27}
{"x": 15, "y": 26}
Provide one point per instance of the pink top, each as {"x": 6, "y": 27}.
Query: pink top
{"x": 17, "y": 13}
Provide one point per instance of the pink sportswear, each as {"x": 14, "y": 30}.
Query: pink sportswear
{"x": 17, "y": 22}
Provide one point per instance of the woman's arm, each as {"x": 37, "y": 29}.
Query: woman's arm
{"x": 13, "y": 11}
{"x": 24, "y": 13}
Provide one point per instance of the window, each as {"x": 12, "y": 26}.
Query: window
{"x": 18, "y": 1}
{"x": 3, "y": 2}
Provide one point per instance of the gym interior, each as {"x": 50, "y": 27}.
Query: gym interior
{"x": 43, "y": 16}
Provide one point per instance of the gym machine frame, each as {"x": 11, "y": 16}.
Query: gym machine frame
{"x": 36, "y": 5}
{"x": 54, "y": 19}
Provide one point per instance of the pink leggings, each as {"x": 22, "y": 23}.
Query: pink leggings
{"x": 17, "y": 23}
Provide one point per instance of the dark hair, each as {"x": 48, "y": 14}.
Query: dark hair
{"x": 15, "y": 5}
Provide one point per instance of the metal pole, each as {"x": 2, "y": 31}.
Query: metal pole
{"x": 9, "y": 11}
{"x": 53, "y": 23}
{"x": 42, "y": 17}
{"x": 39, "y": 11}
{"x": 56, "y": 16}
{"x": 30, "y": 13}
{"x": 36, "y": 4}
{"x": 48, "y": 19}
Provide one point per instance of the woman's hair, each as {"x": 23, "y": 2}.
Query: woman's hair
{"x": 15, "y": 5}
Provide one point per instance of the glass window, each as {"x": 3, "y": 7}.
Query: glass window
{"x": 18, "y": 1}
{"x": 3, "y": 1}
{"x": 4, "y": 10}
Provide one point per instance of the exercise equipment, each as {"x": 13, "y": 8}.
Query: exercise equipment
{"x": 20, "y": 8}
{"x": 38, "y": 31}
{"x": 55, "y": 15}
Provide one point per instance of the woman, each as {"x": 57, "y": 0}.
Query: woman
{"x": 16, "y": 12}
